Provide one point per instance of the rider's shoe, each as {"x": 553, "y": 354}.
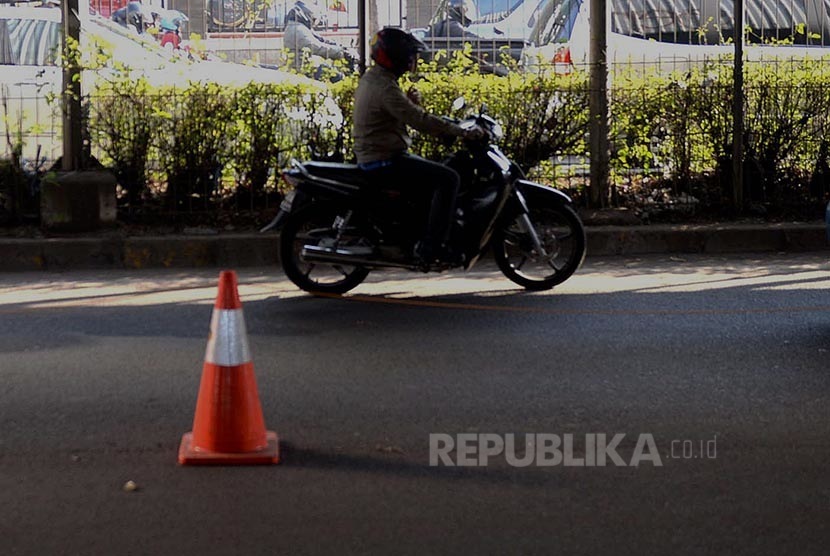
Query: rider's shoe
{"x": 423, "y": 252}
{"x": 449, "y": 255}
{"x": 444, "y": 254}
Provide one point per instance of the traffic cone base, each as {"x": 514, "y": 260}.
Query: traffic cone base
{"x": 191, "y": 455}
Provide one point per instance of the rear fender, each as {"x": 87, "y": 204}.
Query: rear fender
{"x": 292, "y": 202}
{"x": 308, "y": 189}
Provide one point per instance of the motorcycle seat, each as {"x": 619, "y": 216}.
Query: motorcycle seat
{"x": 347, "y": 173}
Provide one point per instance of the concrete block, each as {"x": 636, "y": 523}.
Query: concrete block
{"x": 78, "y": 201}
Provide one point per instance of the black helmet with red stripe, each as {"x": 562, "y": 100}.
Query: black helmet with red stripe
{"x": 396, "y": 49}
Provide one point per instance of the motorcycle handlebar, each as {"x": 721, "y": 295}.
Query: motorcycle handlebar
{"x": 478, "y": 123}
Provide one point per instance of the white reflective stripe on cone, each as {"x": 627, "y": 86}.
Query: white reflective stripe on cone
{"x": 228, "y": 342}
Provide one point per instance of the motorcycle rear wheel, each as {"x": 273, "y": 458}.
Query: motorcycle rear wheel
{"x": 314, "y": 225}
{"x": 562, "y": 235}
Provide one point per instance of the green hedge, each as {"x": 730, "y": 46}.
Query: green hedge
{"x": 681, "y": 125}
{"x": 194, "y": 146}
{"x": 199, "y": 145}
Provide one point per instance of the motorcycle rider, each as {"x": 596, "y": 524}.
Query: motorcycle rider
{"x": 152, "y": 18}
{"x": 456, "y": 22}
{"x": 171, "y": 28}
{"x": 382, "y": 112}
{"x": 131, "y": 14}
{"x": 302, "y": 41}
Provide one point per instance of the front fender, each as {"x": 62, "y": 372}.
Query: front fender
{"x": 537, "y": 194}
{"x": 527, "y": 194}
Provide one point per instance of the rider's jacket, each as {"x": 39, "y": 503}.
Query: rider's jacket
{"x": 298, "y": 38}
{"x": 381, "y": 113}
{"x": 450, "y": 28}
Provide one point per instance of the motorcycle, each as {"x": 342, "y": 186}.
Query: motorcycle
{"x": 336, "y": 226}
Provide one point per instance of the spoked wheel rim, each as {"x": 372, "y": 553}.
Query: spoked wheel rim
{"x": 562, "y": 239}
{"x": 315, "y": 228}
{"x": 321, "y": 274}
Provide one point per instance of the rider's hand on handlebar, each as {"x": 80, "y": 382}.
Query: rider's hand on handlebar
{"x": 351, "y": 56}
{"x": 475, "y": 134}
{"x": 415, "y": 95}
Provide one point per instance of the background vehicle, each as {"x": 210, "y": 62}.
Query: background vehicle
{"x": 336, "y": 226}
{"x": 676, "y": 34}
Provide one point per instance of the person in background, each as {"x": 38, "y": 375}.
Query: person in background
{"x": 456, "y": 21}
{"x": 170, "y": 25}
{"x": 152, "y": 18}
{"x": 131, "y": 15}
{"x": 306, "y": 46}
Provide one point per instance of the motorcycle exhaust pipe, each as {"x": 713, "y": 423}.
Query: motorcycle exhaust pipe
{"x": 315, "y": 254}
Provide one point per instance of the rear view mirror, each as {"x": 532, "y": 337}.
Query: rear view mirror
{"x": 458, "y": 104}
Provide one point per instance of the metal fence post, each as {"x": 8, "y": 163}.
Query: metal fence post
{"x": 361, "y": 33}
{"x": 71, "y": 89}
{"x": 738, "y": 110}
{"x": 598, "y": 104}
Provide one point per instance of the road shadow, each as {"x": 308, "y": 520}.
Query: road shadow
{"x": 296, "y": 456}
{"x": 380, "y": 307}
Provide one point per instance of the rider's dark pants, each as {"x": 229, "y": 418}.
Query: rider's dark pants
{"x": 413, "y": 173}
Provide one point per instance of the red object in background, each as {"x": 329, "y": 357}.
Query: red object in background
{"x": 563, "y": 56}
{"x": 170, "y": 37}
{"x": 106, "y": 7}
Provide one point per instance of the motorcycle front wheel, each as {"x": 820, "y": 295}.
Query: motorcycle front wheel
{"x": 315, "y": 226}
{"x": 561, "y": 236}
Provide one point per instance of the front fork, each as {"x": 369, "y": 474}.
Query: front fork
{"x": 527, "y": 227}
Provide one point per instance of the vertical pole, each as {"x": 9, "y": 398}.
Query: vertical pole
{"x": 372, "y": 18}
{"x": 738, "y": 110}
{"x": 598, "y": 104}
{"x": 361, "y": 24}
{"x": 71, "y": 90}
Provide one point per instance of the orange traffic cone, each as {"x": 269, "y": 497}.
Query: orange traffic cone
{"x": 228, "y": 427}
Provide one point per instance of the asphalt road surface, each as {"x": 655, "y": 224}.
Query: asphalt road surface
{"x": 714, "y": 370}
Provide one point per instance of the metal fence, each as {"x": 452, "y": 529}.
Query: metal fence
{"x": 670, "y": 93}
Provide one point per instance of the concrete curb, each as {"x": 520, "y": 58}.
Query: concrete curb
{"x": 174, "y": 251}
{"x": 709, "y": 239}
{"x": 250, "y": 249}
